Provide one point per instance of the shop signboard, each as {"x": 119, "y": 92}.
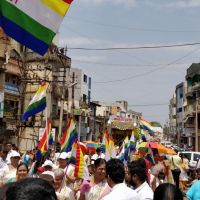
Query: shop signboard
{"x": 11, "y": 89}
{"x": 121, "y": 119}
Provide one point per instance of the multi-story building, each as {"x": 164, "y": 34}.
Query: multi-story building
{"x": 192, "y": 108}
{"x": 172, "y": 117}
{"x": 53, "y": 68}
{"x": 117, "y": 119}
{"x": 10, "y": 73}
{"x": 79, "y": 98}
{"x": 180, "y": 96}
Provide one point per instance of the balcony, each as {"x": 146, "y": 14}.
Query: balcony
{"x": 190, "y": 109}
{"x": 196, "y": 87}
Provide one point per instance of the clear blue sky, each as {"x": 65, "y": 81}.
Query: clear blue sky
{"x": 152, "y": 74}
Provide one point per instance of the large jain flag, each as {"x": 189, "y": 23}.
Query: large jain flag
{"x": 33, "y": 23}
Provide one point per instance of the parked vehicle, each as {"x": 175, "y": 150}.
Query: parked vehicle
{"x": 166, "y": 143}
{"x": 192, "y": 156}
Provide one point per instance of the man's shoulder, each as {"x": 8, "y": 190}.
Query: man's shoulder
{"x": 121, "y": 192}
{"x": 145, "y": 191}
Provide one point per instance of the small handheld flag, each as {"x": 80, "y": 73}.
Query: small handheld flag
{"x": 70, "y": 135}
{"x": 37, "y": 104}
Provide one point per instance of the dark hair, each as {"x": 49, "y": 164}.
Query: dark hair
{"x": 115, "y": 170}
{"x": 31, "y": 189}
{"x": 197, "y": 170}
{"x": 98, "y": 150}
{"x": 141, "y": 162}
{"x": 138, "y": 168}
{"x": 21, "y": 165}
{"x": 98, "y": 162}
{"x": 167, "y": 191}
{"x": 161, "y": 176}
{"x": 3, "y": 191}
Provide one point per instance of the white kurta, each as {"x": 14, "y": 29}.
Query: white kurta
{"x": 122, "y": 192}
{"x": 144, "y": 191}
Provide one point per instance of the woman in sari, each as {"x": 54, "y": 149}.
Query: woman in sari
{"x": 98, "y": 187}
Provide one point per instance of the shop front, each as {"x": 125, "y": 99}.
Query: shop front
{"x": 120, "y": 128}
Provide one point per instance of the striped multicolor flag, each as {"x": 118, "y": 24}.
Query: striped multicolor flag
{"x": 43, "y": 144}
{"x": 146, "y": 125}
{"x": 132, "y": 143}
{"x": 126, "y": 141}
{"x": 121, "y": 153}
{"x": 79, "y": 167}
{"x": 112, "y": 147}
{"x": 50, "y": 135}
{"x": 106, "y": 144}
{"x": 37, "y": 104}
{"x": 33, "y": 23}
{"x": 70, "y": 135}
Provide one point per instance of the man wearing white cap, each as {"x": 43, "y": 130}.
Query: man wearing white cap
{"x": 9, "y": 150}
{"x": 63, "y": 160}
{"x": 48, "y": 165}
{"x": 11, "y": 174}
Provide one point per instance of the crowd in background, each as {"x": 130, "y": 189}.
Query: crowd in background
{"x": 22, "y": 175}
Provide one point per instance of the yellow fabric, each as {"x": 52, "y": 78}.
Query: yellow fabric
{"x": 59, "y": 6}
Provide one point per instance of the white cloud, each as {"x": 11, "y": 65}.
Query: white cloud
{"x": 154, "y": 3}
{"x": 84, "y": 42}
{"x": 184, "y": 4}
{"x": 173, "y": 3}
{"x": 89, "y": 59}
{"x": 115, "y": 2}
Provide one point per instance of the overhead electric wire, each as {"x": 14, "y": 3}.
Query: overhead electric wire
{"x": 124, "y": 64}
{"x": 94, "y": 42}
{"x": 148, "y": 105}
{"x": 141, "y": 29}
{"x": 135, "y": 48}
{"x": 148, "y": 72}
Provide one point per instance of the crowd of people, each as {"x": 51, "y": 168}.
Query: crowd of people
{"x": 24, "y": 177}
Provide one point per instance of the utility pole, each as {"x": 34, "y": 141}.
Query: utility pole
{"x": 62, "y": 103}
{"x": 73, "y": 80}
{"x": 73, "y": 105}
{"x": 196, "y": 127}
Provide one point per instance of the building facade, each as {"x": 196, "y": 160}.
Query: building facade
{"x": 180, "y": 96}
{"x": 192, "y": 108}
{"x": 79, "y": 99}
{"x": 172, "y": 117}
{"x": 10, "y": 73}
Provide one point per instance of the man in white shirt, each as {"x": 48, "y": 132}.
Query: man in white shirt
{"x": 138, "y": 180}
{"x": 97, "y": 155}
{"x": 116, "y": 174}
{"x": 9, "y": 150}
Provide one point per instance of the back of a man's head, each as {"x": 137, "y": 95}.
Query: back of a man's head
{"x": 138, "y": 170}
{"x": 115, "y": 170}
{"x": 31, "y": 189}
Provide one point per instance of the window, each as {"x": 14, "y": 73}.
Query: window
{"x": 188, "y": 155}
{"x": 196, "y": 157}
{"x": 89, "y": 83}
{"x": 84, "y": 98}
{"x": 85, "y": 78}
{"x": 179, "y": 110}
{"x": 7, "y": 79}
{"x": 89, "y": 96}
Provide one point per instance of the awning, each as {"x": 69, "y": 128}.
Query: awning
{"x": 122, "y": 125}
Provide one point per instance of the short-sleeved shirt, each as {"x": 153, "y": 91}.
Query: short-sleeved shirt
{"x": 194, "y": 192}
